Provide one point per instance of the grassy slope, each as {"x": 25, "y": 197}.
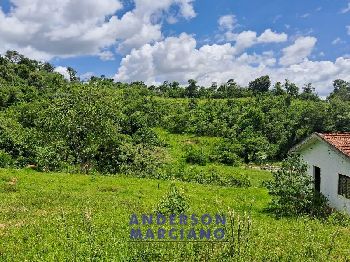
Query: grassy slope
{"x": 177, "y": 150}
{"x": 47, "y": 217}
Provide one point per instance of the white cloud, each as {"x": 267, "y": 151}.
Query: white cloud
{"x": 345, "y": 9}
{"x": 64, "y": 28}
{"x": 179, "y": 59}
{"x": 306, "y": 15}
{"x": 337, "y": 41}
{"x": 227, "y": 22}
{"x": 86, "y": 76}
{"x": 106, "y": 56}
{"x": 298, "y": 51}
{"x": 244, "y": 40}
{"x": 272, "y": 37}
{"x": 247, "y": 39}
{"x": 63, "y": 71}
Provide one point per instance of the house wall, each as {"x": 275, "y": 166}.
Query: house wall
{"x": 332, "y": 163}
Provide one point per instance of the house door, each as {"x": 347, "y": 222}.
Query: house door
{"x": 317, "y": 178}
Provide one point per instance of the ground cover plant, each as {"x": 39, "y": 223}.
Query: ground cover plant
{"x": 51, "y": 217}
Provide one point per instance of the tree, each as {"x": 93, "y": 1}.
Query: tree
{"x": 341, "y": 90}
{"x": 72, "y": 74}
{"x": 213, "y": 87}
{"x": 13, "y": 56}
{"x": 48, "y": 67}
{"x": 309, "y": 93}
{"x": 278, "y": 89}
{"x": 192, "y": 88}
{"x": 291, "y": 88}
{"x": 260, "y": 85}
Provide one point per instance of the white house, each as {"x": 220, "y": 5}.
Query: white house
{"x": 328, "y": 159}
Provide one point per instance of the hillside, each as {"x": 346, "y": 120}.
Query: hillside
{"x": 79, "y": 158}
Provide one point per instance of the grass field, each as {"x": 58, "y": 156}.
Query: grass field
{"x": 55, "y": 217}
{"x": 66, "y": 217}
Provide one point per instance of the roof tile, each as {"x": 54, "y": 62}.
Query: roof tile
{"x": 341, "y": 141}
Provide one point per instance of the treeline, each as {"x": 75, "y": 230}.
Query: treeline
{"x": 56, "y": 124}
{"x": 260, "y": 86}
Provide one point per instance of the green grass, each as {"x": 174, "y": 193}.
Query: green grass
{"x": 57, "y": 217}
{"x": 65, "y": 217}
{"x": 177, "y": 145}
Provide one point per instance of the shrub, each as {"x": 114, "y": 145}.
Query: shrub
{"x": 242, "y": 181}
{"x": 5, "y": 159}
{"x": 50, "y": 158}
{"x": 227, "y": 153}
{"x": 147, "y": 137}
{"x": 293, "y": 192}
{"x": 196, "y": 156}
{"x": 174, "y": 202}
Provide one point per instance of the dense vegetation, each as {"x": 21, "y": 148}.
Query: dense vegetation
{"x": 197, "y": 136}
{"x": 55, "y": 124}
{"x": 293, "y": 193}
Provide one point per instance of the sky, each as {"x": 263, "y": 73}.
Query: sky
{"x": 176, "y": 40}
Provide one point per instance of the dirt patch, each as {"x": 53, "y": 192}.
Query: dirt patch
{"x": 191, "y": 142}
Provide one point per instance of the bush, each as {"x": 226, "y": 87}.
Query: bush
{"x": 292, "y": 191}
{"x": 196, "y": 156}
{"x": 50, "y": 158}
{"x": 147, "y": 137}
{"x": 227, "y": 153}
{"x": 174, "y": 202}
{"x": 5, "y": 159}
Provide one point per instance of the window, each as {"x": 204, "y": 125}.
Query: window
{"x": 317, "y": 178}
{"x": 344, "y": 186}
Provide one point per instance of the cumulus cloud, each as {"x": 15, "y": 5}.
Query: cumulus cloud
{"x": 345, "y": 9}
{"x": 272, "y": 37}
{"x": 63, "y": 28}
{"x": 63, "y": 71}
{"x": 106, "y": 56}
{"x": 44, "y": 29}
{"x": 298, "y": 51}
{"x": 248, "y": 38}
{"x": 179, "y": 59}
{"x": 227, "y": 22}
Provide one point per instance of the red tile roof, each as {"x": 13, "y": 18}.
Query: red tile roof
{"x": 340, "y": 141}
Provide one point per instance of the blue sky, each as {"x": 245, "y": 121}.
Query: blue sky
{"x": 181, "y": 39}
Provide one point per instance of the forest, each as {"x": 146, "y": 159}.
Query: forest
{"x": 53, "y": 123}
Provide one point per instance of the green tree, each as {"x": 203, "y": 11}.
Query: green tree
{"x": 278, "y": 89}
{"x": 260, "y": 85}
{"x": 309, "y": 93}
{"x": 72, "y": 74}
{"x": 192, "y": 88}
{"x": 341, "y": 90}
{"x": 291, "y": 88}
